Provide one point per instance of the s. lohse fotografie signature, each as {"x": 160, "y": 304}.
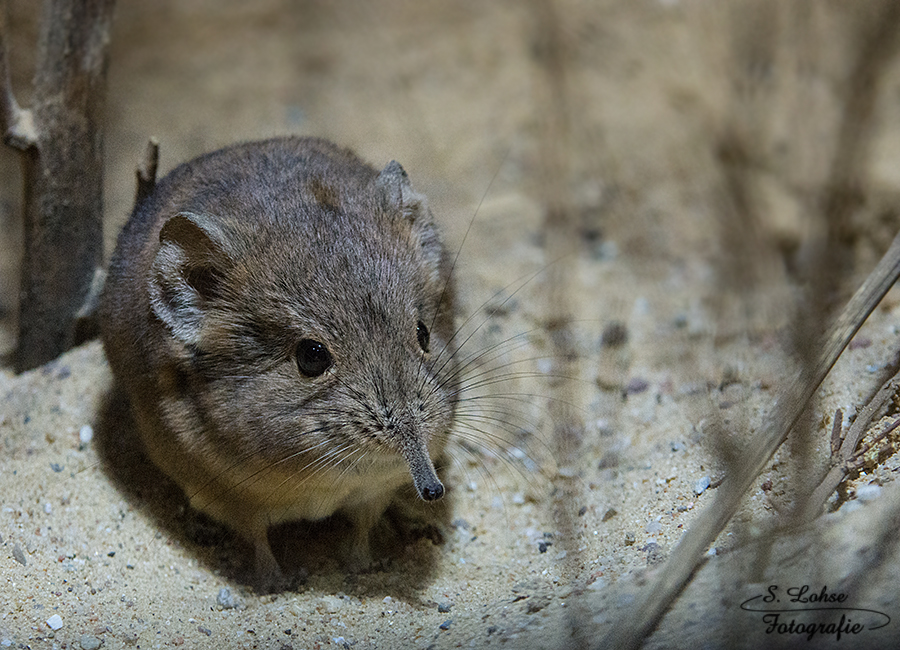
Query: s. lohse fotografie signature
{"x": 790, "y": 612}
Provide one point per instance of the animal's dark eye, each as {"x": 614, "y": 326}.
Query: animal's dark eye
{"x": 313, "y": 358}
{"x": 423, "y": 336}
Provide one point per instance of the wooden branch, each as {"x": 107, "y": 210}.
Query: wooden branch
{"x": 63, "y": 173}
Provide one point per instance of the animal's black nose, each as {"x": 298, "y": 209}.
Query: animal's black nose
{"x": 433, "y": 492}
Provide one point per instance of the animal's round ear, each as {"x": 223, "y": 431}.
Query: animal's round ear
{"x": 398, "y": 195}
{"x": 187, "y": 273}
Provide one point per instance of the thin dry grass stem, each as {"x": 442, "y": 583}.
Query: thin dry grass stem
{"x": 560, "y": 236}
{"x": 843, "y": 191}
{"x": 884, "y": 433}
{"x": 844, "y": 447}
{"x": 842, "y": 194}
{"x": 558, "y": 228}
{"x": 837, "y": 432}
{"x": 744, "y": 261}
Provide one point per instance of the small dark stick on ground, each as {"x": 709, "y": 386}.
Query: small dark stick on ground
{"x": 146, "y": 171}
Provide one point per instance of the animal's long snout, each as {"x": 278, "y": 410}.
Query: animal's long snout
{"x": 425, "y": 478}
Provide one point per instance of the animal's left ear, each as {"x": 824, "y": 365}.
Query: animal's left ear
{"x": 185, "y": 276}
{"x": 399, "y": 197}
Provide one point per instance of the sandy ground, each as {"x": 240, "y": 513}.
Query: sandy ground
{"x": 531, "y": 547}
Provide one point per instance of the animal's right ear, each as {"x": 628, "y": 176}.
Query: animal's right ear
{"x": 187, "y": 273}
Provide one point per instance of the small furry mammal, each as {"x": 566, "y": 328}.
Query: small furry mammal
{"x": 279, "y": 314}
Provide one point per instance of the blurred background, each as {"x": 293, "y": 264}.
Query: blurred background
{"x": 620, "y": 111}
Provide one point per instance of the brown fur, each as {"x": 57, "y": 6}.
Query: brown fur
{"x": 233, "y": 259}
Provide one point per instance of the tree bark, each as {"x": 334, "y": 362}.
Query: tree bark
{"x": 62, "y": 153}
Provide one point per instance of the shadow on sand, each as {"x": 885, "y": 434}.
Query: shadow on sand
{"x": 405, "y": 543}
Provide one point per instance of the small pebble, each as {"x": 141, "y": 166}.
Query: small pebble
{"x": 654, "y": 553}
{"x": 330, "y": 604}
{"x": 641, "y": 306}
{"x": 88, "y": 642}
{"x": 85, "y": 434}
{"x": 609, "y": 459}
{"x": 597, "y": 584}
{"x": 609, "y": 514}
{"x": 48, "y": 508}
{"x": 653, "y": 527}
{"x": 56, "y": 467}
{"x": 19, "y": 555}
{"x": 867, "y": 493}
{"x": 536, "y": 604}
{"x": 444, "y": 608}
{"x": 701, "y": 485}
{"x": 204, "y": 630}
{"x": 860, "y": 342}
{"x": 629, "y": 539}
{"x": 55, "y": 622}
{"x": 446, "y": 624}
{"x": 607, "y": 250}
{"x": 225, "y": 600}
{"x": 636, "y": 385}
{"x": 614, "y": 335}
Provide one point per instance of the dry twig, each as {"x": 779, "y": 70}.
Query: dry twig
{"x": 844, "y": 453}
{"x": 146, "y": 171}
